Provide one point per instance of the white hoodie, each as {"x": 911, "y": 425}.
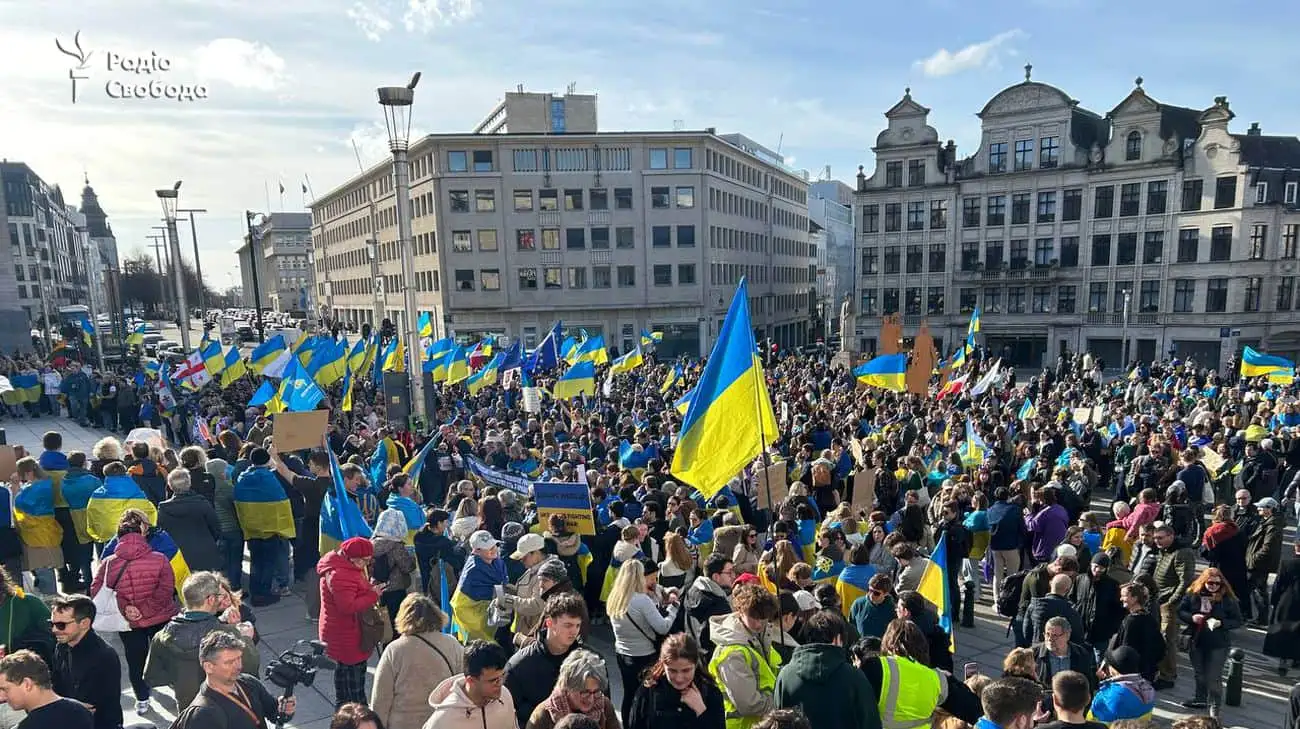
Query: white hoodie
{"x": 453, "y": 709}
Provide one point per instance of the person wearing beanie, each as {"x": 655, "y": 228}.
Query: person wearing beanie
{"x": 1096, "y": 598}
{"x": 394, "y": 563}
{"x": 1124, "y": 693}
{"x": 266, "y": 519}
{"x": 346, "y": 591}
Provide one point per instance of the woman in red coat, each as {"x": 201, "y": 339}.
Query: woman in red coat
{"x": 146, "y": 594}
{"x": 345, "y": 593}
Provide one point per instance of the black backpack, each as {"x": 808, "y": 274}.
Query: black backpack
{"x": 1007, "y": 600}
{"x": 382, "y": 568}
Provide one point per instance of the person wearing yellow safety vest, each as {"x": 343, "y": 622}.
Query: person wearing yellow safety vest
{"x": 744, "y": 663}
{"x": 909, "y": 690}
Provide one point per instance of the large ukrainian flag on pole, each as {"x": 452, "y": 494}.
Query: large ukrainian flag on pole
{"x": 1254, "y": 364}
{"x": 340, "y": 517}
{"x": 730, "y": 419}
{"x": 934, "y": 587}
{"x": 888, "y": 371}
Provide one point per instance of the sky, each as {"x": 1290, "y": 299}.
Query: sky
{"x": 290, "y": 84}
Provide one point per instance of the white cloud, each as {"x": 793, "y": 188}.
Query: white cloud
{"x": 240, "y": 63}
{"x": 423, "y": 16}
{"x": 369, "y": 20}
{"x": 371, "y": 142}
{"x": 976, "y": 55}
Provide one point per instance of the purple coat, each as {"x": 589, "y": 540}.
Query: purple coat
{"x": 1048, "y": 527}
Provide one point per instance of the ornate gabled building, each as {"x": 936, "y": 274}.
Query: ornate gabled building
{"x": 1148, "y": 230}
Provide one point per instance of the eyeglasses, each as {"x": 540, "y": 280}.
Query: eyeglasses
{"x": 1213, "y": 583}
{"x": 588, "y": 694}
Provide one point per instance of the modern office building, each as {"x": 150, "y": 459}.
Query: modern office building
{"x": 830, "y": 207}
{"x": 523, "y": 112}
{"x": 1146, "y": 230}
{"x": 609, "y": 232}
{"x": 286, "y": 262}
{"x": 46, "y": 265}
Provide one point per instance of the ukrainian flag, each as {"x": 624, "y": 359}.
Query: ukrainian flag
{"x": 436, "y": 363}
{"x": 683, "y": 403}
{"x": 672, "y": 379}
{"x": 270, "y": 357}
{"x": 627, "y": 362}
{"x": 1254, "y": 364}
{"x": 973, "y": 450}
{"x": 214, "y": 360}
{"x": 395, "y": 355}
{"x": 649, "y": 339}
{"x": 486, "y": 376}
{"x": 234, "y": 368}
{"x": 27, "y": 388}
{"x": 136, "y": 337}
{"x": 298, "y": 392}
{"x": 329, "y": 362}
{"x": 934, "y": 587}
{"x": 568, "y": 346}
{"x": 34, "y": 514}
{"x": 425, "y": 325}
{"x": 635, "y": 460}
{"x": 458, "y": 366}
{"x": 108, "y": 502}
{"x": 77, "y": 490}
{"x": 411, "y": 512}
{"x": 730, "y": 419}
{"x": 340, "y": 517}
{"x": 304, "y": 348}
{"x": 592, "y": 350}
{"x": 153, "y": 368}
{"x": 348, "y": 381}
{"x": 886, "y": 371}
{"x": 357, "y": 357}
{"x": 1285, "y": 377}
{"x": 580, "y": 379}
{"x": 958, "y": 358}
{"x": 852, "y": 583}
{"x": 265, "y": 394}
{"x": 261, "y": 505}
{"x": 973, "y": 328}
{"x": 55, "y": 465}
{"x": 1028, "y": 411}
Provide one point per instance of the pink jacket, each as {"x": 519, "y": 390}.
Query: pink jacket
{"x": 1141, "y": 514}
{"x": 142, "y": 578}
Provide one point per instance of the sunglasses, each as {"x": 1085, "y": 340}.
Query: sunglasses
{"x": 60, "y": 624}
{"x": 1213, "y": 583}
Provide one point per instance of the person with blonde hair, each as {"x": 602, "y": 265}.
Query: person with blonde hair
{"x": 419, "y": 659}
{"x": 678, "y": 567}
{"x": 638, "y": 623}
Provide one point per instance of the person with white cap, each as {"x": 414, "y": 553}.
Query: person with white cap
{"x": 1264, "y": 555}
{"x": 524, "y": 597}
{"x": 484, "y": 572}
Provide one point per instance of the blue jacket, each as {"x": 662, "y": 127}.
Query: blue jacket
{"x": 1006, "y": 526}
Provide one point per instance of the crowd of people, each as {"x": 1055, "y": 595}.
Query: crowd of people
{"x": 1114, "y": 525}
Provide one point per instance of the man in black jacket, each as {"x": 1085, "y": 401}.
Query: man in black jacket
{"x": 532, "y": 672}
{"x": 708, "y": 596}
{"x": 1097, "y": 598}
{"x": 1264, "y": 555}
{"x": 1058, "y": 652}
{"x": 86, "y": 668}
{"x": 1055, "y": 603}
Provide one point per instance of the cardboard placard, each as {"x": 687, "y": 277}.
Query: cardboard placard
{"x": 571, "y": 501}
{"x": 1082, "y": 415}
{"x": 864, "y": 490}
{"x": 298, "y": 431}
{"x": 8, "y": 463}
{"x": 773, "y": 485}
{"x": 1212, "y": 461}
{"x": 859, "y": 456}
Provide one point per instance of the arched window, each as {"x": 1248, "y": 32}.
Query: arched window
{"x": 1133, "y": 146}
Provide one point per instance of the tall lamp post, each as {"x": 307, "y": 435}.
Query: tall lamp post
{"x": 256, "y": 262}
{"x": 396, "y": 102}
{"x": 198, "y": 267}
{"x": 1124, "y": 335}
{"x": 87, "y": 249}
{"x": 169, "y": 197}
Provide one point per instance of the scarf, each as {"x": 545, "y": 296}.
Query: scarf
{"x": 558, "y": 706}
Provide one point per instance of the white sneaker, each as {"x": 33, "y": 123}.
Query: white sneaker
{"x": 142, "y": 707}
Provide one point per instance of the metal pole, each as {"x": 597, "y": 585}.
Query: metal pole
{"x": 402, "y": 183}
{"x": 162, "y": 272}
{"x": 256, "y": 263}
{"x": 198, "y": 267}
{"x": 178, "y": 270}
{"x": 1124, "y": 334}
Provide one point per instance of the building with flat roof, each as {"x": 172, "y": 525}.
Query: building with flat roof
{"x": 523, "y": 112}
{"x": 285, "y": 272}
{"x": 609, "y": 232}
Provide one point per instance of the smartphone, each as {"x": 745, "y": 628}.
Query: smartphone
{"x": 971, "y": 669}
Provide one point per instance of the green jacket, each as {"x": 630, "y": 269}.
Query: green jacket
{"x": 831, "y": 692}
{"x": 25, "y": 623}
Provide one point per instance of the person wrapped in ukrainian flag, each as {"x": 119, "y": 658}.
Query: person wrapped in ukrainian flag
{"x": 107, "y": 503}
{"x": 401, "y": 487}
{"x": 39, "y": 531}
{"x": 79, "y": 484}
{"x": 484, "y": 571}
{"x": 267, "y": 521}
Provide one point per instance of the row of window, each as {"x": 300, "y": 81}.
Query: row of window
{"x": 549, "y": 278}
{"x": 549, "y": 199}
{"x": 22, "y": 274}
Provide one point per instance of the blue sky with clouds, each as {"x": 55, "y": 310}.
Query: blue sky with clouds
{"x": 291, "y": 84}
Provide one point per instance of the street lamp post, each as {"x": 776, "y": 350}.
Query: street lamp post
{"x": 255, "y": 259}
{"x": 169, "y": 197}
{"x": 198, "y": 267}
{"x": 86, "y": 248}
{"x": 396, "y": 102}
{"x": 1124, "y": 331}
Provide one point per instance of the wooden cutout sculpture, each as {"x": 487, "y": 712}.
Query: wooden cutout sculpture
{"x": 924, "y": 358}
{"x": 891, "y": 334}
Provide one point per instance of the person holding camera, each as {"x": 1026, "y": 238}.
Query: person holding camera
{"x": 174, "y": 651}
{"x": 230, "y": 698}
